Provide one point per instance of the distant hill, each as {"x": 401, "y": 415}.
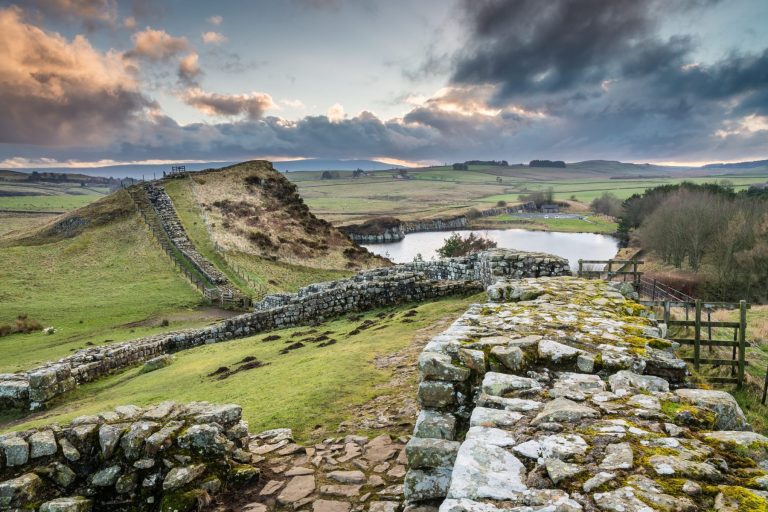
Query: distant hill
{"x": 316, "y": 164}
{"x": 739, "y": 165}
{"x": 616, "y": 166}
{"x": 137, "y": 171}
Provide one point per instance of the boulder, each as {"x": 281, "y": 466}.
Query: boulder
{"x": 15, "y": 449}
{"x": 562, "y": 410}
{"x": 500, "y": 384}
{"x": 728, "y": 414}
{"x": 431, "y": 453}
{"x": 436, "y": 366}
{"x": 42, "y": 444}
{"x": 626, "y": 379}
{"x": 21, "y": 491}
{"x": 435, "y": 424}
{"x": 73, "y": 504}
{"x": 426, "y": 484}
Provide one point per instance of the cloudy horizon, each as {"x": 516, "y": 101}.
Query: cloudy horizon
{"x": 102, "y": 82}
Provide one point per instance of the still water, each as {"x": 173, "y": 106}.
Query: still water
{"x": 574, "y": 246}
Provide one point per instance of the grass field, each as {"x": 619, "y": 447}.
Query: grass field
{"x": 304, "y": 388}
{"x": 440, "y": 191}
{"x": 88, "y": 288}
{"x": 590, "y": 224}
{"x": 48, "y": 197}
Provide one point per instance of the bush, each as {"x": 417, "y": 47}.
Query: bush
{"x": 455, "y": 245}
{"x": 607, "y": 204}
{"x": 473, "y": 213}
{"x": 501, "y": 203}
{"x": 22, "y": 325}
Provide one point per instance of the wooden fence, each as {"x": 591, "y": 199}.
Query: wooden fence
{"x": 738, "y": 344}
{"x": 610, "y": 269}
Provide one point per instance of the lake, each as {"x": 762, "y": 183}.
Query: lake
{"x": 573, "y": 246}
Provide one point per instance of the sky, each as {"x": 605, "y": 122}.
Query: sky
{"x": 98, "y": 82}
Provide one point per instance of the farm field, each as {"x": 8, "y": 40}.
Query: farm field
{"x": 589, "y": 224}
{"x": 342, "y": 376}
{"x": 440, "y": 191}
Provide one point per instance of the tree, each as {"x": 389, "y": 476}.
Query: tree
{"x": 455, "y": 245}
{"x": 607, "y": 204}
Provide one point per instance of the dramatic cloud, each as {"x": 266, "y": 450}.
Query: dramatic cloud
{"x": 336, "y": 113}
{"x": 252, "y": 105}
{"x": 60, "y": 92}
{"x": 189, "y": 69}
{"x": 156, "y": 45}
{"x": 213, "y": 38}
{"x": 89, "y": 12}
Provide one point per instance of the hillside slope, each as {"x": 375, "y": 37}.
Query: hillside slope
{"x": 250, "y": 209}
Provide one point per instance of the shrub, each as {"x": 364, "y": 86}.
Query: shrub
{"x": 501, "y": 203}
{"x": 456, "y": 245}
{"x": 23, "y": 324}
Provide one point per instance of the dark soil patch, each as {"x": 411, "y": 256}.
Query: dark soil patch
{"x": 303, "y": 333}
{"x": 272, "y": 337}
{"x": 410, "y": 313}
{"x": 316, "y": 339}
{"x": 366, "y": 324}
{"x": 219, "y": 371}
{"x": 354, "y": 318}
{"x": 293, "y": 346}
{"x": 327, "y": 343}
{"x": 247, "y": 359}
{"x": 354, "y": 332}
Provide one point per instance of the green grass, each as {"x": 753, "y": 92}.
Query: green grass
{"x": 63, "y": 202}
{"x": 302, "y": 389}
{"x": 87, "y": 288}
{"x": 591, "y": 224}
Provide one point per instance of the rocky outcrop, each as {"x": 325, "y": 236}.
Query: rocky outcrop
{"x": 559, "y": 395}
{"x": 413, "y": 282}
{"x": 166, "y": 457}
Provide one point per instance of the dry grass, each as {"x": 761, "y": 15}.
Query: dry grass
{"x": 23, "y": 325}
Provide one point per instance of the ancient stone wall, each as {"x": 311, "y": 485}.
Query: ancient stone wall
{"x": 414, "y": 282}
{"x": 560, "y": 395}
{"x": 167, "y": 457}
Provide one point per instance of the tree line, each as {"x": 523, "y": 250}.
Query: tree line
{"x": 709, "y": 229}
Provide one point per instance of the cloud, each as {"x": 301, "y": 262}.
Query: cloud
{"x": 54, "y": 91}
{"x": 215, "y": 20}
{"x": 90, "y": 12}
{"x": 156, "y": 45}
{"x": 252, "y": 106}
{"x": 335, "y": 113}
{"x": 189, "y": 69}
{"x": 297, "y": 104}
{"x": 211, "y": 37}
{"x": 129, "y": 22}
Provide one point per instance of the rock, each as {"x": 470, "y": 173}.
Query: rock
{"x": 21, "y": 491}
{"x": 576, "y": 386}
{"x": 299, "y": 470}
{"x": 397, "y": 471}
{"x": 729, "y": 415}
{"x": 384, "y": 506}
{"x": 620, "y": 500}
{"x": 436, "y": 394}
{"x": 271, "y": 487}
{"x": 678, "y": 467}
{"x": 473, "y": 359}
{"x": 69, "y": 451}
{"x": 132, "y": 441}
{"x": 73, "y": 504}
{"x": 598, "y": 480}
{"x": 341, "y": 490}
{"x": 510, "y": 358}
{"x": 60, "y": 474}
{"x": 330, "y": 506}
{"x": 483, "y": 416}
{"x": 585, "y": 363}
{"x": 652, "y": 494}
{"x": 557, "y": 353}
{"x": 617, "y": 456}
{"x": 499, "y": 384}
{"x": 42, "y": 444}
{"x": 559, "y": 470}
{"x": 486, "y": 471}
{"x": 431, "y": 453}
{"x": 435, "y": 424}
{"x": 648, "y": 402}
{"x": 436, "y": 366}
{"x": 156, "y": 363}
{"x": 15, "y": 449}
{"x": 127, "y": 483}
{"x": 559, "y": 446}
{"x": 205, "y": 439}
{"x": 380, "y": 449}
{"x": 691, "y": 488}
{"x": 254, "y": 507}
{"x": 739, "y": 499}
{"x": 181, "y": 476}
{"x": 426, "y": 484}
{"x": 347, "y": 477}
{"x": 562, "y": 410}
{"x": 298, "y": 487}
{"x": 109, "y": 436}
{"x": 750, "y": 444}
{"x": 509, "y": 404}
{"x": 106, "y": 477}
{"x": 625, "y": 379}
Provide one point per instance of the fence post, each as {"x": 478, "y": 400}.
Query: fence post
{"x": 666, "y": 313}
{"x": 653, "y": 295}
{"x": 697, "y": 336}
{"x": 610, "y": 266}
{"x": 742, "y": 340}
{"x": 580, "y": 265}
{"x": 635, "y": 275}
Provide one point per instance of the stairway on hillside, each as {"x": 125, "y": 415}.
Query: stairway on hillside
{"x": 156, "y": 208}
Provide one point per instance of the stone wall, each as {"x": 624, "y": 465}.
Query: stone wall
{"x": 560, "y": 395}
{"x": 394, "y": 234}
{"x": 413, "y": 282}
{"x": 169, "y": 457}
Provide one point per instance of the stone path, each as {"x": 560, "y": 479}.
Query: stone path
{"x": 342, "y": 474}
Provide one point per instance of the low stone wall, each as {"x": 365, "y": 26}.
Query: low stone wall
{"x": 413, "y": 282}
{"x": 559, "y": 395}
{"x": 486, "y": 267}
{"x": 394, "y": 234}
{"x": 169, "y": 457}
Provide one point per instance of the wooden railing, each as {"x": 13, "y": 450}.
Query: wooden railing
{"x": 610, "y": 269}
